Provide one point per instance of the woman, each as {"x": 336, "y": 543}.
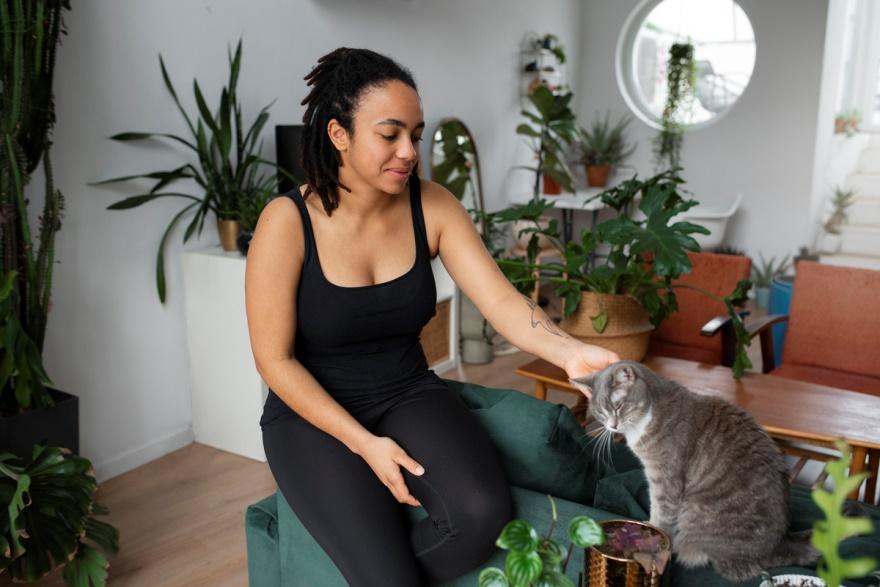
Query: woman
{"x": 338, "y": 288}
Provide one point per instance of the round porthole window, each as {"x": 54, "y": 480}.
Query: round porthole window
{"x": 724, "y": 57}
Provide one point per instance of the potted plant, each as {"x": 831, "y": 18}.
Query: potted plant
{"x": 840, "y": 201}
{"x": 47, "y": 519}
{"x": 551, "y": 129}
{"x": 633, "y": 552}
{"x": 249, "y": 214}
{"x": 536, "y": 560}
{"x": 847, "y": 122}
{"x": 227, "y": 168}
{"x": 546, "y": 67}
{"x": 763, "y": 274}
{"x": 681, "y": 78}
{"x": 836, "y": 527}
{"x": 29, "y": 408}
{"x": 602, "y": 147}
{"x": 616, "y": 280}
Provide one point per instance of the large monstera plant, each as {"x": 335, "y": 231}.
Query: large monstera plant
{"x": 49, "y": 519}
{"x": 639, "y": 252}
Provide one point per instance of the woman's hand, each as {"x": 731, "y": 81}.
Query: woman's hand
{"x": 588, "y": 359}
{"x": 385, "y": 457}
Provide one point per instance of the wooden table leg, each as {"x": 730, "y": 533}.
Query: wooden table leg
{"x": 540, "y": 390}
{"x": 858, "y": 465}
{"x": 873, "y": 469}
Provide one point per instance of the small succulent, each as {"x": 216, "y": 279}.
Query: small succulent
{"x": 765, "y": 271}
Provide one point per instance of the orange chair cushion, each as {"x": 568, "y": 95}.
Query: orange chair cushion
{"x": 830, "y": 377}
{"x": 718, "y": 274}
{"x": 834, "y": 320}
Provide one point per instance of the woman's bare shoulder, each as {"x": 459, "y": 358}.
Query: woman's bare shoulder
{"x": 279, "y": 229}
{"x": 438, "y": 198}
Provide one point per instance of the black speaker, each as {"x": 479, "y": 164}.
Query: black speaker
{"x": 287, "y": 141}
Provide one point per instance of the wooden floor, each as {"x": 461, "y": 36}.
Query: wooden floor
{"x": 181, "y": 517}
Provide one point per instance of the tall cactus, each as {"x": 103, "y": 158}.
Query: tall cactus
{"x": 30, "y": 32}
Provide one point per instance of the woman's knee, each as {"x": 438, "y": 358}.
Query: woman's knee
{"x": 480, "y": 516}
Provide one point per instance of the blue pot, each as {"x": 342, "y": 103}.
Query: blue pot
{"x": 780, "y": 301}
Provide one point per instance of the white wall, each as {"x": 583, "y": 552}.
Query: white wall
{"x": 109, "y": 339}
{"x": 764, "y": 147}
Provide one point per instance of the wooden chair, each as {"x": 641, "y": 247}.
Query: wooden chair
{"x": 833, "y": 338}
{"x": 833, "y": 329}
{"x": 693, "y": 332}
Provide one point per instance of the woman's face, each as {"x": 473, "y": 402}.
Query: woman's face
{"x": 384, "y": 148}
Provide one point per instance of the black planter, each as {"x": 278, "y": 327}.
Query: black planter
{"x": 243, "y": 242}
{"x": 57, "y": 426}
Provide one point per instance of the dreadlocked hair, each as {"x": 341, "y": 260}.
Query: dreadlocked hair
{"x": 337, "y": 83}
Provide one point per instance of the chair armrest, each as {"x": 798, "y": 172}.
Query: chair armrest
{"x": 762, "y": 324}
{"x": 714, "y": 326}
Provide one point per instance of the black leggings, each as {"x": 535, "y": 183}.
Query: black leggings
{"x": 356, "y": 519}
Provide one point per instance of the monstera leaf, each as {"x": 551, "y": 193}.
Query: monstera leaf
{"x": 47, "y": 521}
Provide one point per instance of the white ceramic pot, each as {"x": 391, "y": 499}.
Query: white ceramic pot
{"x": 797, "y": 580}
{"x": 522, "y": 242}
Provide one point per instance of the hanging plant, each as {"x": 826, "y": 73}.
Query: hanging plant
{"x": 681, "y": 77}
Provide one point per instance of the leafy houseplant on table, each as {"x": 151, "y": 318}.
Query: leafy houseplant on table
{"x": 229, "y": 170}
{"x": 47, "y": 519}
{"x": 681, "y": 78}
{"x": 602, "y": 147}
{"x": 763, "y": 274}
{"x": 536, "y": 560}
{"x": 640, "y": 259}
{"x": 552, "y": 128}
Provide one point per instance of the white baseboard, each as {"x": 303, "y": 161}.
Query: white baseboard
{"x": 143, "y": 454}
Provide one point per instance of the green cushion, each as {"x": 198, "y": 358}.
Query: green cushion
{"x": 305, "y": 563}
{"x": 261, "y": 526}
{"x": 541, "y": 444}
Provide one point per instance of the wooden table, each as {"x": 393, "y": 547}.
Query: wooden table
{"x": 787, "y": 409}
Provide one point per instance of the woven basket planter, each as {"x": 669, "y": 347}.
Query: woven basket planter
{"x": 627, "y": 332}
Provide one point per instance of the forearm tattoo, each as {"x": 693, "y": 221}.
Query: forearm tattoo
{"x": 540, "y": 318}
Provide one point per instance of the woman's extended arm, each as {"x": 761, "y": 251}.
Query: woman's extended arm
{"x": 515, "y": 316}
{"x": 272, "y": 275}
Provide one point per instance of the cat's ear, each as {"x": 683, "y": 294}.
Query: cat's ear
{"x": 585, "y": 384}
{"x": 624, "y": 376}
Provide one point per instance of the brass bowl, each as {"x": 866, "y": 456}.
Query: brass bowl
{"x": 605, "y": 570}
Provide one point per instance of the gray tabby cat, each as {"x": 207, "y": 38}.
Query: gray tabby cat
{"x": 717, "y": 482}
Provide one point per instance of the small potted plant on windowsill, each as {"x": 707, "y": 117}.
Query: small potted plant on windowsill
{"x": 603, "y": 147}
{"x": 840, "y": 201}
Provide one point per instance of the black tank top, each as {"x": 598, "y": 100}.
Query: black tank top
{"x": 361, "y": 343}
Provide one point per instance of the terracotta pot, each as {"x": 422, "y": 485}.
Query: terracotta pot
{"x": 627, "y": 332}
{"x": 551, "y": 187}
{"x": 229, "y": 231}
{"x": 597, "y": 175}
{"x": 839, "y": 126}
